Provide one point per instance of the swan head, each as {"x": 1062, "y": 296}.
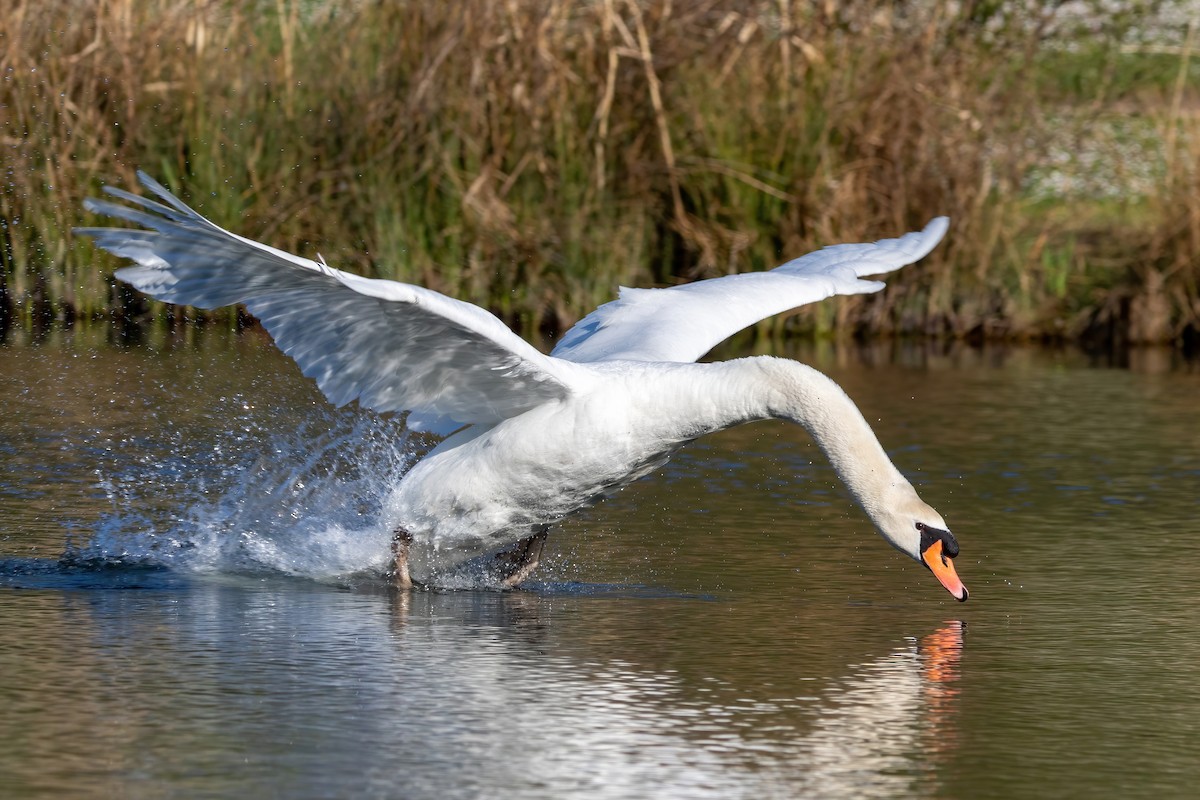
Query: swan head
{"x": 937, "y": 549}
{"x": 914, "y": 528}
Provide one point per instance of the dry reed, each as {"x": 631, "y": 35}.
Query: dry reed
{"x": 532, "y": 155}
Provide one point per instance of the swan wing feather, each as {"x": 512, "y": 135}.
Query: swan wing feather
{"x": 392, "y": 346}
{"x": 682, "y": 323}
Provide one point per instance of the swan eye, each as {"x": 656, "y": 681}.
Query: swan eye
{"x": 921, "y": 526}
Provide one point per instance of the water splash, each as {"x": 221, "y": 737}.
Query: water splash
{"x": 307, "y": 502}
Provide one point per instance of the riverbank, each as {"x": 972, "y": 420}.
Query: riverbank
{"x": 531, "y": 157}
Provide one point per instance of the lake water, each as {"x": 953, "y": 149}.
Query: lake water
{"x": 190, "y": 606}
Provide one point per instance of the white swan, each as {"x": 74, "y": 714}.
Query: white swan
{"x": 538, "y": 437}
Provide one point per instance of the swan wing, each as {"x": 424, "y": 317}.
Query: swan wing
{"x": 391, "y": 346}
{"x": 682, "y": 323}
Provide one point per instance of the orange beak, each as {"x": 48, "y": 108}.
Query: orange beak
{"x": 943, "y": 569}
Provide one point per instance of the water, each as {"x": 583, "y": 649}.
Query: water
{"x": 189, "y": 600}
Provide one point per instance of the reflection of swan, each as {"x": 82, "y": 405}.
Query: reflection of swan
{"x": 538, "y": 436}
{"x": 869, "y": 726}
{"x": 253, "y": 687}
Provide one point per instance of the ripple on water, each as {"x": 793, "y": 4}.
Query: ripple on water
{"x": 728, "y": 628}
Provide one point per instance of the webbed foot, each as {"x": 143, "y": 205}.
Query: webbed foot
{"x": 397, "y": 575}
{"x": 519, "y": 563}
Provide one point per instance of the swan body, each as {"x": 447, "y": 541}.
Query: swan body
{"x": 535, "y": 437}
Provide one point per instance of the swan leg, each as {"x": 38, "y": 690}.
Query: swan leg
{"x": 398, "y": 575}
{"x": 520, "y": 562}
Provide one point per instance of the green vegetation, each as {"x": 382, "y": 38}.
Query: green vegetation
{"x": 530, "y": 156}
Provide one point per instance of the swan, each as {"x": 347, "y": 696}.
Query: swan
{"x": 530, "y": 437}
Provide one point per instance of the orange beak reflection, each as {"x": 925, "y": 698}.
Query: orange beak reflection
{"x": 943, "y": 569}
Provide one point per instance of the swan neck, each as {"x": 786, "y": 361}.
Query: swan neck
{"x": 807, "y": 397}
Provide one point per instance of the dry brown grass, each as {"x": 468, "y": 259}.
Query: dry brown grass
{"x": 531, "y": 155}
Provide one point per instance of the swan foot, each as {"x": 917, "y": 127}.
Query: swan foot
{"x": 520, "y": 562}
{"x": 397, "y": 575}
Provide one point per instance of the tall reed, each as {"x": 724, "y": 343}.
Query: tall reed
{"x": 533, "y": 155}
